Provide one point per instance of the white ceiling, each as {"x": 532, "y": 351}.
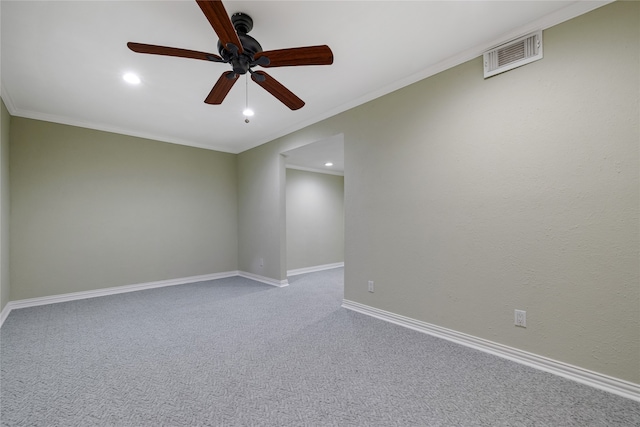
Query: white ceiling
{"x": 313, "y": 157}
{"x": 63, "y": 61}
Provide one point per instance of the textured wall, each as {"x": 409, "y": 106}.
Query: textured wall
{"x": 93, "y": 209}
{"x": 315, "y": 219}
{"x": 261, "y": 201}
{"x": 520, "y": 191}
{"x": 4, "y": 206}
{"x": 468, "y": 198}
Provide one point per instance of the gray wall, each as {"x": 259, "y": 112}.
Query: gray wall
{"x": 4, "y": 206}
{"x": 261, "y": 181}
{"x": 92, "y": 209}
{"x": 468, "y": 198}
{"x": 315, "y": 219}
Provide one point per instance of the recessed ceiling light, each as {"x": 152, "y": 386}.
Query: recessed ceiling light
{"x": 131, "y": 78}
{"x": 328, "y": 164}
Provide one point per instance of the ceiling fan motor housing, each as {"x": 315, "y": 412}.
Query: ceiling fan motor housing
{"x": 250, "y": 46}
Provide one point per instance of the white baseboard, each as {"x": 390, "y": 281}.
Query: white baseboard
{"x": 5, "y": 312}
{"x": 313, "y": 269}
{"x": 32, "y": 302}
{"x": 264, "y": 279}
{"x": 603, "y": 382}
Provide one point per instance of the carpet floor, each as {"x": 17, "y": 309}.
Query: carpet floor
{"x": 234, "y": 352}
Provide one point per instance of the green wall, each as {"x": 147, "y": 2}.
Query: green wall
{"x": 5, "y": 288}
{"x": 92, "y": 209}
{"x": 468, "y": 198}
{"x": 262, "y": 201}
{"x": 315, "y": 219}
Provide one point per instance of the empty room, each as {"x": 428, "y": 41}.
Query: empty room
{"x": 320, "y": 213}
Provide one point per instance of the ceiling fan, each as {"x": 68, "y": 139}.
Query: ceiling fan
{"x": 243, "y": 52}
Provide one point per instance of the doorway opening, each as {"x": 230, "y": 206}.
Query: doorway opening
{"x": 314, "y": 206}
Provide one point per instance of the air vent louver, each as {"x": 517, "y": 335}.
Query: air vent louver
{"x": 513, "y": 54}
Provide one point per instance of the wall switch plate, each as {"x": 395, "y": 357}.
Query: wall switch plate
{"x": 521, "y": 318}
{"x": 370, "y": 285}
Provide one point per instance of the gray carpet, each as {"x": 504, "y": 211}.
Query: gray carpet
{"x": 234, "y": 352}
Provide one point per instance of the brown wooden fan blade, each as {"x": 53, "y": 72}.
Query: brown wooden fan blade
{"x": 219, "y": 19}
{"x": 221, "y": 88}
{"x": 276, "y": 89}
{"x": 172, "y": 51}
{"x": 310, "y": 55}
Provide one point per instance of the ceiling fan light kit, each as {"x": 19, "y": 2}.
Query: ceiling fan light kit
{"x": 243, "y": 53}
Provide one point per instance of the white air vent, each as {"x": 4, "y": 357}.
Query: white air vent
{"x": 513, "y": 54}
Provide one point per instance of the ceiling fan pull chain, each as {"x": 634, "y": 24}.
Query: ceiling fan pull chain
{"x": 247, "y": 111}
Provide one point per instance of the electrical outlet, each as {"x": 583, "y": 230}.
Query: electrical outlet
{"x": 370, "y": 285}
{"x": 521, "y": 318}
{"x": 261, "y": 262}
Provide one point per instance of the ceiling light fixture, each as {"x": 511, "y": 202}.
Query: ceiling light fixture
{"x": 131, "y": 78}
{"x": 328, "y": 164}
{"x": 248, "y": 112}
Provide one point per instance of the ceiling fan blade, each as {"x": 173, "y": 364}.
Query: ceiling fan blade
{"x": 173, "y": 51}
{"x": 310, "y": 55}
{"x": 221, "y": 88}
{"x": 219, "y": 19}
{"x": 276, "y": 89}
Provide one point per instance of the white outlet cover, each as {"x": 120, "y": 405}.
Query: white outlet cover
{"x": 520, "y": 318}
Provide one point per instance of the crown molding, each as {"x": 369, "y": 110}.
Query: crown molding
{"x": 571, "y": 11}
